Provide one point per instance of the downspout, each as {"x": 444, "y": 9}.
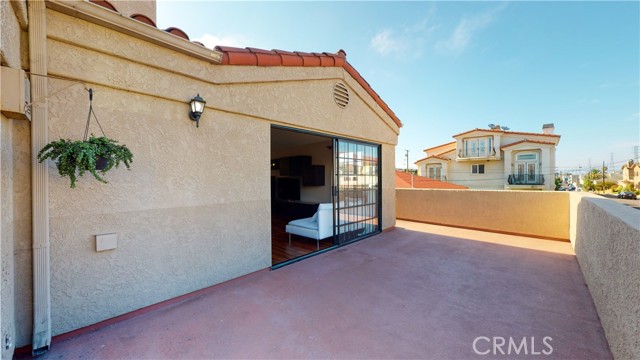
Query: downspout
{"x": 39, "y": 179}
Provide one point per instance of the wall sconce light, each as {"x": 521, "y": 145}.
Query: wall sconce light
{"x": 197, "y": 108}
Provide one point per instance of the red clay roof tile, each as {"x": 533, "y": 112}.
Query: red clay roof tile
{"x": 507, "y": 132}
{"x": 528, "y": 141}
{"x": 177, "y": 32}
{"x": 403, "y": 181}
{"x": 261, "y": 57}
{"x": 105, "y": 4}
{"x": 143, "y": 18}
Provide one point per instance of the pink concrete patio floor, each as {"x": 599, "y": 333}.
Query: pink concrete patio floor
{"x": 418, "y": 291}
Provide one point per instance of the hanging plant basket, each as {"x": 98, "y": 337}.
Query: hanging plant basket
{"x": 97, "y": 155}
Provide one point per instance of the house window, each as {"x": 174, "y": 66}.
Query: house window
{"x": 434, "y": 172}
{"x": 478, "y": 147}
{"x": 477, "y": 169}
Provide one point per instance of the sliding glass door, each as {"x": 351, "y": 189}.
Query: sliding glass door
{"x": 357, "y": 196}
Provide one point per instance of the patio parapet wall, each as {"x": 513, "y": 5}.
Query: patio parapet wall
{"x": 536, "y": 214}
{"x": 605, "y": 236}
{"x": 606, "y": 239}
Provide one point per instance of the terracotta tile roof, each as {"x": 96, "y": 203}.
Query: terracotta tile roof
{"x": 403, "y": 181}
{"x": 528, "y": 141}
{"x": 104, "y": 4}
{"x": 434, "y": 157}
{"x": 261, "y": 57}
{"x": 507, "y": 132}
{"x": 435, "y": 147}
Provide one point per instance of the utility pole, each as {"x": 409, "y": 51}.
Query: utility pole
{"x": 406, "y": 155}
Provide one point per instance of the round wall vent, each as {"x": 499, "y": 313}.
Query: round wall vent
{"x": 341, "y": 95}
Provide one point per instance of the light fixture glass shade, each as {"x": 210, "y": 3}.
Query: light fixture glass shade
{"x": 197, "y": 105}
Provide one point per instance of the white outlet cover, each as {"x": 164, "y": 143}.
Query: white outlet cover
{"x": 106, "y": 242}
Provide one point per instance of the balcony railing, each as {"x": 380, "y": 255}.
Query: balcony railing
{"x": 526, "y": 179}
{"x": 476, "y": 153}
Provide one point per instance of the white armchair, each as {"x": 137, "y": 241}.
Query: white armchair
{"x": 319, "y": 226}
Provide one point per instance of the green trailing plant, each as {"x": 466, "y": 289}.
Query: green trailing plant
{"x": 74, "y": 158}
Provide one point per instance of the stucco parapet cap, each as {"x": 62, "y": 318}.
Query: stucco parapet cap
{"x": 103, "y": 15}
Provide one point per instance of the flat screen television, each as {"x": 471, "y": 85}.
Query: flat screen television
{"x": 288, "y": 188}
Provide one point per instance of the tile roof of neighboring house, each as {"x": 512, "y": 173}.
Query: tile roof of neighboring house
{"x": 403, "y": 181}
{"x": 261, "y": 57}
{"x": 528, "y": 141}
{"x": 435, "y": 147}
{"x": 508, "y": 132}
{"x": 435, "y": 157}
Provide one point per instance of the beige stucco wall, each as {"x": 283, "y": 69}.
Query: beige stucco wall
{"x": 388, "y": 186}
{"x": 606, "y": 240}
{"x": 543, "y": 214}
{"x": 195, "y": 208}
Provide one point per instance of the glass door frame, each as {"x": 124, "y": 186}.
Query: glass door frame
{"x": 334, "y": 192}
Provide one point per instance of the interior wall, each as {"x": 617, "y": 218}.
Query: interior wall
{"x": 320, "y": 155}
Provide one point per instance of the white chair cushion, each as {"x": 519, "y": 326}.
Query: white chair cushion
{"x": 307, "y": 223}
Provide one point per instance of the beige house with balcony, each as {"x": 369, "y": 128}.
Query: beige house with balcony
{"x": 631, "y": 173}
{"x": 200, "y": 204}
{"x": 495, "y": 158}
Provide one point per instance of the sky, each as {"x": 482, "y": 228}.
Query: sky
{"x": 448, "y": 67}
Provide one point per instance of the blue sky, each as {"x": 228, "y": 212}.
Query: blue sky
{"x": 448, "y": 67}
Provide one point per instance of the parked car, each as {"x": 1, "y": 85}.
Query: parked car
{"x": 627, "y": 195}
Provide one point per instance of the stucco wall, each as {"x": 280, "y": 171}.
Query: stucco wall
{"x": 22, "y": 254}
{"x": 388, "y": 186}
{"x": 195, "y": 208}
{"x": 543, "y": 214}
{"x": 6, "y": 236}
{"x": 607, "y": 244}
{"x": 459, "y": 172}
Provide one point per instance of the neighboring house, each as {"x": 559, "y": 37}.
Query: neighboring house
{"x": 495, "y": 159}
{"x": 631, "y": 173}
{"x": 406, "y": 180}
{"x": 196, "y": 208}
